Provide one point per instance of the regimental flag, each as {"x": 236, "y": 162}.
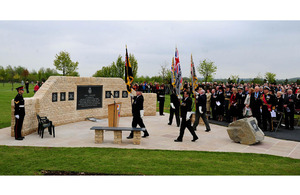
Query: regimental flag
{"x": 177, "y": 73}
{"x": 194, "y": 78}
{"x": 128, "y": 73}
{"x": 173, "y": 73}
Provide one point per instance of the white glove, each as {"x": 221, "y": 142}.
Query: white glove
{"x": 17, "y": 116}
{"x": 142, "y": 113}
{"x": 131, "y": 95}
{"x": 158, "y": 101}
{"x": 172, "y": 105}
{"x": 200, "y": 109}
{"x": 188, "y": 115}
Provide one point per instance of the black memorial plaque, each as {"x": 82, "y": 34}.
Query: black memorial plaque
{"x": 107, "y": 94}
{"x": 124, "y": 94}
{"x": 54, "y": 97}
{"x": 89, "y": 96}
{"x": 71, "y": 96}
{"x": 62, "y": 96}
{"x": 116, "y": 94}
{"x": 254, "y": 125}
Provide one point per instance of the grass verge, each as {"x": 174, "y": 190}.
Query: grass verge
{"x": 111, "y": 161}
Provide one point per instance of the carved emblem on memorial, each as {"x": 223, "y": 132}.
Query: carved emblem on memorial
{"x": 62, "y": 96}
{"x": 116, "y": 94}
{"x": 107, "y": 94}
{"x": 71, "y": 96}
{"x": 124, "y": 94}
{"x": 54, "y": 97}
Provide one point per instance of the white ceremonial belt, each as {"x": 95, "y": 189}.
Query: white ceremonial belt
{"x": 21, "y": 106}
{"x": 161, "y": 96}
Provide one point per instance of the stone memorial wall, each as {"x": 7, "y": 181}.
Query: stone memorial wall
{"x": 71, "y": 99}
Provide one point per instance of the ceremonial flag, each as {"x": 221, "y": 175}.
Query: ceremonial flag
{"x": 194, "y": 78}
{"x": 128, "y": 73}
{"x": 173, "y": 73}
{"x": 177, "y": 71}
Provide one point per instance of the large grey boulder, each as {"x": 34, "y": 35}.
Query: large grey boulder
{"x": 245, "y": 131}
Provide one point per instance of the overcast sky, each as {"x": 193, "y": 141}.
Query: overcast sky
{"x": 244, "y": 48}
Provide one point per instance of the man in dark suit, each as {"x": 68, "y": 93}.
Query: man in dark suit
{"x": 161, "y": 99}
{"x": 201, "y": 110}
{"x": 186, "y": 112}
{"x": 138, "y": 113}
{"x": 19, "y": 113}
{"x": 240, "y": 97}
{"x": 289, "y": 111}
{"x": 255, "y": 104}
{"x": 213, "y": 105}
{"x": 174, "y": 108}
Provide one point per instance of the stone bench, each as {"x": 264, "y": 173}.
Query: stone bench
{"x": 99, "y": 134}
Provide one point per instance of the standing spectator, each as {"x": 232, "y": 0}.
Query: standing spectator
{"x": 240, "y": 102}
{"x": 208, "y": 101}
{"x": 279, "y": 105}
{"x": 267, "y": 103}
{"x": 27, "y": 86}
{"x": 233, "y": 104}
{"x": 255, "y": 104}
{"x": 227, "y": 103}
{"x": 247, "y": 112}
{"x": 186, "y": 112}
{"x": 174, "y": 108}
{"x": 36, "y": 87}
{"x": 213, "y": 104}
{"x": 298, "y": 100}
{"x": 220, "y": 104}
{"x": 289, "y": 105}
{"x": 161, "y": 99}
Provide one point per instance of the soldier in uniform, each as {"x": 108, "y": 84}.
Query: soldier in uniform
{"x": 201, "y": 110}
{"x": 289, "y": 105}
{"x": 227, "y": 103}
{"x": 213, "y": 104}
{"x": 267, "y": 106}
{"x": 19, "y": 113}
{"x": 255, "y": 105}
{"x": 161, "y": 100}
{"x": 138, "y": 113}
{"x": 240, "y": 98}
{"x": 174, "y": 108}
{"x": 186, "y": 112}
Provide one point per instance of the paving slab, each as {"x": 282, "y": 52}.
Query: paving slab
{"x": 161, "y": 137}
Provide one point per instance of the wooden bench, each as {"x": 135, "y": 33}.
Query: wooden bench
{"x": 99, "y": 134}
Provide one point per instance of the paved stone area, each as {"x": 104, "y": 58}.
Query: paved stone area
{"x": 161, "y": 137}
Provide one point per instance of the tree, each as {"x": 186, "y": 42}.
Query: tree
{"x": 270, "y": 77}
{"x": 207, "y": 69}
{"x": 120, "y": 67}
{"x": 233, "y": 78}
{"x": 165, "y": 73}
{"x": 134, "y": 64}
{"x": 25, "y": 74}
{"x": 64, "y": 63}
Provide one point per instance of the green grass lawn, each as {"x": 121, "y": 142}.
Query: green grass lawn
{"x": 6, "y": 95}
{"x": 32, "y": 160}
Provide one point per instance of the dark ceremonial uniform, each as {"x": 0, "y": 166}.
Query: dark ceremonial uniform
{"x": 220, "y": 107}
{"x": 255, "y": 105}
{"x": 240, "y": 97}
{"x": 137, "y": 106}
{"x": 186, "y": 106}
{"x": 268, "y": 104}
{"x": 213, "y": 105}
{"x": 161, "y": 100}
{"x": 201, "y": 101}
{"x": 227, "y": 104}
{"x": 289, "y": 110}
{"x": 279, "y": 107}
{"x": 176, "y": 103}
{"x": 20, "y": 111}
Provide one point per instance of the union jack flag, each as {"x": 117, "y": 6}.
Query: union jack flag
{"x": 177, "y": 73}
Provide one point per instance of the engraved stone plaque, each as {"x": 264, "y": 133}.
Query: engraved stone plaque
{"x": 54, "y": 97}
{"x": 62, "y": 96}
{"x": 124, "y": 94}
{"x": 71, "y": 96}
{"x": 89, "y": 96}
